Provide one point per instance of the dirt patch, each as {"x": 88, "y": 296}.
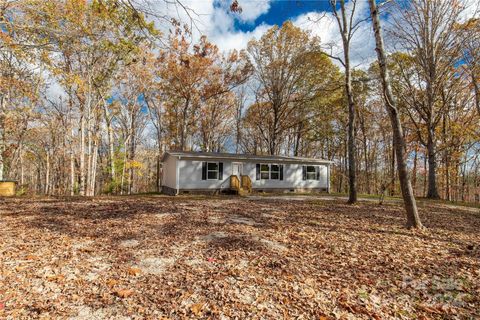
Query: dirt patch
{"x": 131, "y": 243}
{"x": 243, "y": 220}
{"x": 155, "y": 265}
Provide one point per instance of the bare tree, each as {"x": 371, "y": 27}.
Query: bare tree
{"x": 427, "y": 29}
{"x": 413, "y": 219}
{"x": 471, "y": 55}
{"x": 348, "y": 25}
{"x": 284, "y": 60}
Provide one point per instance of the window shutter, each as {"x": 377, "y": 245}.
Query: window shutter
{"x": 204, "y": 171}
{"x": 281, "y": 172}
{"x": 220, "y": 171}
{"x": 258, "y": 171}
{"x": 318, "y": 172}
{"x": 304, "y": 172}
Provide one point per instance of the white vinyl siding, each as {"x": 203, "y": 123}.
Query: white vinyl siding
{"x": 190, "y": 175}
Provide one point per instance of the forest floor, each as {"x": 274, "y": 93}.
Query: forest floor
{"x": 158, "y": 257}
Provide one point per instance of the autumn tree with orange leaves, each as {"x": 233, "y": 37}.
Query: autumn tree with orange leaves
{"x": 197, "y": 80}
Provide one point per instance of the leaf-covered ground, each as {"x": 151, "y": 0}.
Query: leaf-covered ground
{"x": 235, "y": 258}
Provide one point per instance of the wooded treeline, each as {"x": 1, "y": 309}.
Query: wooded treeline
{"x": 92, "y": 94}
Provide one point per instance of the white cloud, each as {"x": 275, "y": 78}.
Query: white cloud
{"x": 324, "y": 25}
{"x": 252, "y": 9}
{"x": 238, "y": 40}
{"x": 213, "y": 19}
{"x": 471, "y": 10}
{"x": 216, "y": 21}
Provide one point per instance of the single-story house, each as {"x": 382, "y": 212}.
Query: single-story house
{"x": 185, "y": 172}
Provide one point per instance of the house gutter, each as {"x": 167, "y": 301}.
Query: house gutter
{"x": 251, "y": 159}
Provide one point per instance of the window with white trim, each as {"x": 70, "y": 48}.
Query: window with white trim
{"x": 270, "y": 172}
{"x": 274, "y": 172}
{"x": 311, "y": 172}
{"x": 212, "y": 170}
{"x": 264, "y": 171}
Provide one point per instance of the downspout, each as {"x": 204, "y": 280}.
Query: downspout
{"x": 328, "y": 177}
{"x": 177, "y": 180}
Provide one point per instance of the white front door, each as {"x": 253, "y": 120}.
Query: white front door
{"x": 237, "y": 169}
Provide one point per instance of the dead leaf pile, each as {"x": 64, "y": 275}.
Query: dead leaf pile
{"x": 219, "y": 258}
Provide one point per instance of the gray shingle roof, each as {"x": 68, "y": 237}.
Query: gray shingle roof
{"x": 235, "y": 156}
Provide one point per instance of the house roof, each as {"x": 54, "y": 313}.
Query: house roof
{"x": 245, "y": 157}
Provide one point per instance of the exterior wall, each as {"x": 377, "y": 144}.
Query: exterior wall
{"x": 292, "y": 178}
{"x": 190, "y": 176}
{"x": 169, "y": 173}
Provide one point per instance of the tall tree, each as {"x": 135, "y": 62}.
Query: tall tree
{"x": 284, "y": 58}
{"x": 470, "y": 33}
{"x": 19, "y": 80}
{"x": 348, "y": 24}
{"x": 427, "y": 29}
{"x": 413, "y": 219}
{"x": 191, "y": 75}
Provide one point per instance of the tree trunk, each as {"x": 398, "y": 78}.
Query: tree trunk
{"x": 352, "y": 174}
{"x": 414, "y": 172}
{"x": 111, "y": 149}
{"x": 158, "y": 180}
{"x": 298, "y": 137}
{"x": 93, "y": 176}
{"x": 183, "y": 132}
{"x": 72, "y": 172}
{"x": 432, "y": 192}
{"x": 89, "y": 154}
{"x": 22, "y": 170}
{"x": 82, "y": 155}
{"x": 413, "y": 219}
{"x": 131, "y": 153}
{"x": 392, "y": 170}
{"x": 446, "y": 159}
{"x": 47, "y": 174}
{"x": 365, "y": 156}
{"x": 124, "y": 169}
{"x": 448, "y": 195}
{"x": 425, "y": 174}
{"x": 476, "y": 89}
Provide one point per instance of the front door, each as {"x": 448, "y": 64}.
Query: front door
{"x": 237, "y": 169}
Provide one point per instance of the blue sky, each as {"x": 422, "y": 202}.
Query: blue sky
{"x": 281, "y": 11}
{"x": 233, "y": 31}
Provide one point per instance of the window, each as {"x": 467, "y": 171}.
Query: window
{"x": 311, "y": 172}
{"x": 269, "y": 172}
{"x": 212, "y": 170}
{"x": 264, "y": 172}
{"x": 274, "y": 171}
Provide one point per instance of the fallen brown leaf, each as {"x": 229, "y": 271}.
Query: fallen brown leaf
{"x": 134, "y": 271}
{"x": 123, "y": 293}
{"x": 111, "y": 282}
{"x": 197, "y": 308}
